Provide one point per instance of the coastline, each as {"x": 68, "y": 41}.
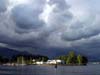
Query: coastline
{"x": 41, "y": 65}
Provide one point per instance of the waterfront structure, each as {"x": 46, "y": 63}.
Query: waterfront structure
{"x": 39, "y": 62}
{"x": 55, "y": 61}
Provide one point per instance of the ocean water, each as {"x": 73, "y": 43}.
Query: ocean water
{"x": 50, "y": 70}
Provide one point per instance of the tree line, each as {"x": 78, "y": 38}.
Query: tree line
{"x": 72, "y": 59}
{"x": 26, "y": 59}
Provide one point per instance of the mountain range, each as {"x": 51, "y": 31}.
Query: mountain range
{"x": 8, "y": 53}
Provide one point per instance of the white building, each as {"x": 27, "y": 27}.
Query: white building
{"x": 39, "y": 62}
{"x": 55, "y": 61}
{"x": 33, "y": 60}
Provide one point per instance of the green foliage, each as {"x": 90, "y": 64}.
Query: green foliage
{"x": 20, "y": 60}
{"x": 28, "y": 59}
{"x": 64, "y": 58}
{"x": 44, "y": 59}
{"x": 3, "y": 60}
{"x": 0, "y": 59}
{"x": 85, "y": 60}
{"x": 79, "y": 59}
{"x": 72, "y": 59}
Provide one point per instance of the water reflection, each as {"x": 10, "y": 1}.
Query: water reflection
{"x": 50, "y": 70}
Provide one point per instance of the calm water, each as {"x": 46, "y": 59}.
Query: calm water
{"x": 50, "y": 70}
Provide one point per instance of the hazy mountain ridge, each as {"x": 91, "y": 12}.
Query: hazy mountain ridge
{"x": 6, "y": 52}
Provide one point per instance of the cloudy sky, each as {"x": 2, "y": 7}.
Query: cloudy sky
{"x": 51, "y": 27}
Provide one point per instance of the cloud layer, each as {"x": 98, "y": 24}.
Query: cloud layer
{"x": 48, "y": 24}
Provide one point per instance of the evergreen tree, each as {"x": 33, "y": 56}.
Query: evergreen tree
{"x": 64, "y": 58}
{"x": 20, "y": 60}
{"x": 0, "y": 59}
{"x": 79, "y": 59}
{"x": 85, "y": 60}
{"x": 72, "y": 59}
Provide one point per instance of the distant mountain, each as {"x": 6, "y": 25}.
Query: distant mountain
{"x": 6, "y": 52}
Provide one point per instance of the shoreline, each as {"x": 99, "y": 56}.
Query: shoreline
{"x": 60, "y": 65}
{"x": 42, "y": 65}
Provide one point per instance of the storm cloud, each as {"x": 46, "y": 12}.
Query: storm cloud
{"x": 3, "y": 5}
{"x": 42, "y": 25}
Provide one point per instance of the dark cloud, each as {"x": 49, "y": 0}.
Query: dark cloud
{"x": 26, "y": 28}
{"x": 82, "y": 30}
{"x": 26, "y": 17}
{"x": 60, "y": 4}
{"x": 23, "y": 26}
{"x": 3, "y": 5}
